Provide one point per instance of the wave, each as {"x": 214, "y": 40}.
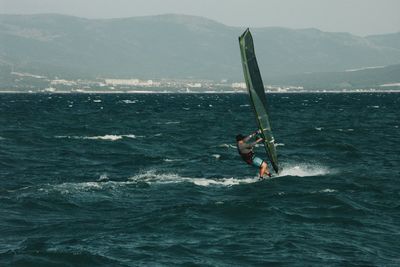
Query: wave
{"x": 169, "y": 122}
{"x": 171, "y": 160}
{"x": 127, "y": 101}
{"x": 99, "y": 185}
{"x": 304, "y": 170}
{"x": 227, "y": 146}
{"x": 107, "y": 137}
{"x": 345, "y": 130}
{"x": 148, "y": 178}
{"x": 152, "y": 177}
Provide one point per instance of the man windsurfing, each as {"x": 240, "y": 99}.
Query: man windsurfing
{"x": 245, "y": 150}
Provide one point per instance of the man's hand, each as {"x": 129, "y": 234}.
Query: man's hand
{"x": 256, "y": 132}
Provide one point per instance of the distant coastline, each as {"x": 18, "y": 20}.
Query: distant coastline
{"x": 361, "y": 91}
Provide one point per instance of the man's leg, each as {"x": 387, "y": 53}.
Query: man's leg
{"x": 264, "y": 170}
{"x": 262, "y": 165}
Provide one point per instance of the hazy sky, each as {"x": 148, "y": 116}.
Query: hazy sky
{"x": 360, "y": 17}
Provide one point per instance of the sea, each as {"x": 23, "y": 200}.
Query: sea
{"x": 156, "y": 180}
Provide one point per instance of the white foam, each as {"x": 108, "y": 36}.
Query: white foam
{"x": 103, "y": 177}
{"x": 303, "y": 170}
{"x": 66, "y": 188}
{"x": 171, "y": 160}
{"x": 227, "y": 146}
{"x": 151, "y": 177}
{"x": 169, "y": 122}
{"x": 127, "y": 101}
{"x": 319, "y": 128}
{"x": 97, "y": 101}
{"x": 279, "y": 144}
{"x": 107, "y": 137}
{"x": 216, "y": 156}
{"x": 328, "y": 190}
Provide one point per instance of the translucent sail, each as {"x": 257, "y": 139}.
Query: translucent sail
{"x": 258, "y": 101}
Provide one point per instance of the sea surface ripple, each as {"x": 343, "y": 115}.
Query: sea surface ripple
{"x": 155, "y": 180}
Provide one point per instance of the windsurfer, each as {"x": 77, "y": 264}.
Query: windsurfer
{"x": 245, "y": 150}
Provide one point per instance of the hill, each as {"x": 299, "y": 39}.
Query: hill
{"x": 177, "y": 46}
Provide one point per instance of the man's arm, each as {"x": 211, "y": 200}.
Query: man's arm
{"x": 247, "y": 138}
{"x": 257, "y": 141}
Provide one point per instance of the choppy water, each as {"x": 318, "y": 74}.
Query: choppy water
{"x": 155, "y": 180}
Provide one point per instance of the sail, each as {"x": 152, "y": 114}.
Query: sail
{"x": 255, "y": 88}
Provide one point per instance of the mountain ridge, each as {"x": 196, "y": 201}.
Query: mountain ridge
{"x": 179, "y": 46}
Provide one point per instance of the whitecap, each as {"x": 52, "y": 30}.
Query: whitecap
{"x": 227, "y": 146}
{"x": 103, "y": 177}
{"x": 97, "y": 100}
{"x": 152, "y": 177}
{"x": 107, "y": 137}
{"x": 345, "y": 130}
{"x": 303, "y": 170}
{"x": 130, "y": 136}
{"x": 279, "y": 144}
{"x": 127, "y": 101}
{"x": 319, "y": 128}
{"x": 149, "y": 177}
{"x": 171, "y": 160}
{"x": 216, "y": 156}
{"x": 328, "y": 190}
